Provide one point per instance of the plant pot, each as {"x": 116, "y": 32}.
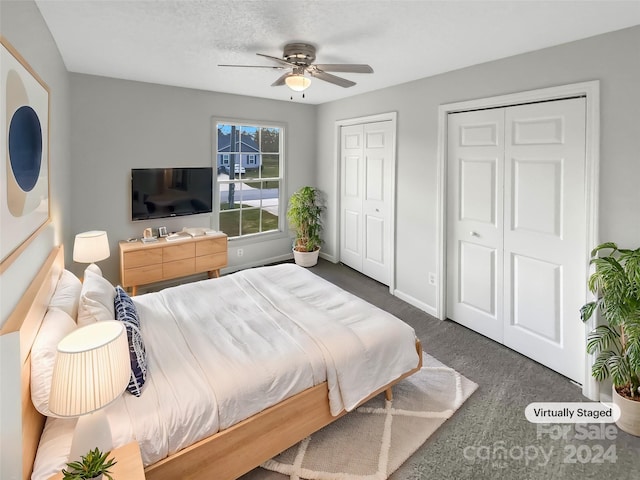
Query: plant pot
{"x": 629, "y": 420}
{"x": 306, "y": 259}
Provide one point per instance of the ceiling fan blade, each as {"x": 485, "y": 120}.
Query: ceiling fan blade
{"x": 344, "y": 67}
{"x": 272, "y": 67}
{"x": 280, "y": 80}
{"x": 327, "y": 77}
{"x": 276, "y": 59}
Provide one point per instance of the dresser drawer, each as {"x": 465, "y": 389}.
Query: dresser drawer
{"x": 179, "y": 268}
{"x": 178, "y": 252}
{"x": 212, "y": 245}
{"x": 142, "y": 264}
{"x": 142, "y": 257}
{"x": 142, "y": 275}
{"x": 214, "y": 261}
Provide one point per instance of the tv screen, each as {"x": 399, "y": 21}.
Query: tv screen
{"x": 170, "y": 192}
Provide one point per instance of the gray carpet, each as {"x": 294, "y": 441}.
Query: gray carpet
{"x": 378, "y": 437}
{"x": 489, "y": 437}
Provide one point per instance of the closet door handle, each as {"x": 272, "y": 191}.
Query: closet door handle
{"x": 474, "y": 234}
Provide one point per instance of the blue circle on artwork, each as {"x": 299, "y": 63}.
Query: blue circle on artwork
{"x": 25, "y": 147}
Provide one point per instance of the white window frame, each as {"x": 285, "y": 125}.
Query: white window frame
{"x": 282, "y": 198}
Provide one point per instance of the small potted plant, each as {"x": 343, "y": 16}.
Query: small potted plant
{"x": 91, "y": 466}
{"x": 616, "y": 286}
{"x": 304, "y": 214}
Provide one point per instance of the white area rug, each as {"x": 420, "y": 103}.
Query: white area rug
{"x": 372, "y": 442}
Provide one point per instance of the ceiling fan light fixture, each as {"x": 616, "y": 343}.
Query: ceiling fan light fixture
{"x": 297, "y": 82}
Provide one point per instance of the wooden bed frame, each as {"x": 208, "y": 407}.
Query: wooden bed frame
{"x": 227, "y": 454}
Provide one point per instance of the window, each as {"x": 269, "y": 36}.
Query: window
{"x": 249, "y": 163}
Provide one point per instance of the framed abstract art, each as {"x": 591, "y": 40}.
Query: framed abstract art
{"x": 24, "y": 154}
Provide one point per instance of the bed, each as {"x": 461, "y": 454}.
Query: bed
{"x": 224, "y": 341}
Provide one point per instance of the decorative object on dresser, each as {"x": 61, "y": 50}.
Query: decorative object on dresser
{"x": 91, "y": 247}
{"x": 24, "y": 161}
{"x": 166, "y": 259}
{"x": 92, "y": 370}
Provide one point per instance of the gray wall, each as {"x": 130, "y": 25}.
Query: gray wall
{"x": 612, "y": 59}
{"x": 22, "y": 25}
{"x": 118, "y": 125}
{"x": 37, "y": 47}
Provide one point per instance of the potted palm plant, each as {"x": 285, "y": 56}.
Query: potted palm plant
{"x": 304, "y": 214}
{"x": 616, "y": 286}
{"x": 92, "y": 466}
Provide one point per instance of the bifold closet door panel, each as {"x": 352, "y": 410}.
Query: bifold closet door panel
{"x": 475, "y": 220}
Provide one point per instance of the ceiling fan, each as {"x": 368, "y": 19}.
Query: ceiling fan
{"x": 298, "y": 58}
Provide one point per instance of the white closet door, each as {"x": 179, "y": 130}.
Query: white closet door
{"x": 367, "y": 173}
{"x": 545, "y": 251}
{"x": 475, "y": 221}
{"x": 351, "y": 198}
{"x": 517, "y": 228}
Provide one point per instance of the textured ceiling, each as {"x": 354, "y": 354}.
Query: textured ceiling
{"x": 181, "y": 43}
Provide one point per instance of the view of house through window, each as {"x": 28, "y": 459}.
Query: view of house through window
{"x": 248, "y": 162}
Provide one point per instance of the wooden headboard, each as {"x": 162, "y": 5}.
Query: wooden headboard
{"x": 26, "y": 319}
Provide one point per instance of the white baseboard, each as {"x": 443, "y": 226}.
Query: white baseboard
{"x": 415, "y": 302}
{"x": 330, "y": 258}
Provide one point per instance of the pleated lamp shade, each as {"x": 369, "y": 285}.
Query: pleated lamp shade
{"x": 92, "y": 369}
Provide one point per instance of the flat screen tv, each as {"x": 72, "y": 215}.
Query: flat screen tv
{"x": 170, "y": 192}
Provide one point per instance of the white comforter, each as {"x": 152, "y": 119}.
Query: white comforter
{"x": 224, "y": 349}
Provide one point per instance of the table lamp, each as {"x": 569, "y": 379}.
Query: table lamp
{"x": 91, "y": 370}
{"x": 91, "y": 247}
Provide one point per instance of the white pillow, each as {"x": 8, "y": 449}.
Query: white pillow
{"x": 66, "y": 296}
{"x": 56, "y": 324}
{"x": 96, "y": 299}
{"x": 92, "y": 267}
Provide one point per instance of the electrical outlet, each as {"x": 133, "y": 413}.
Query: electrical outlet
{"x": 240, "y": 252}
{"x": 432, "y": 278}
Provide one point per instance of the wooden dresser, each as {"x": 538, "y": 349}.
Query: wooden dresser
{"x": 145, "y": 263}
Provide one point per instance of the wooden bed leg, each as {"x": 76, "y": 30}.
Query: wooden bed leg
{"x": 388, "y": 394}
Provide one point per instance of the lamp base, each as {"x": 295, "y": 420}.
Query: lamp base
{"x": 92, "y": 431}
